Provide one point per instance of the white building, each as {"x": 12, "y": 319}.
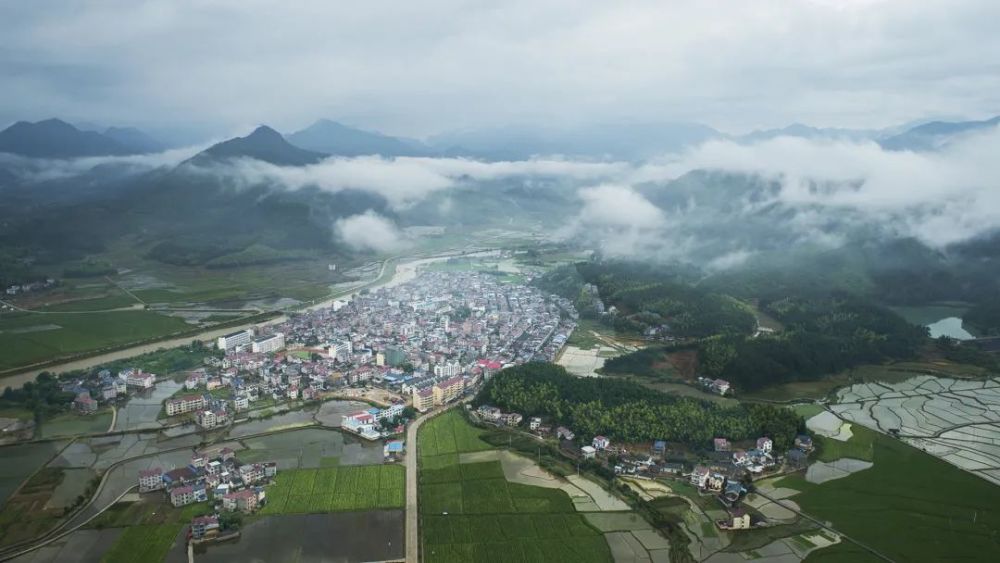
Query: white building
{"x": 184, "y": 404}
{"x": 235, "y": 339}
{"x": 268, "y": 344}
{"x": 137, "y": 378}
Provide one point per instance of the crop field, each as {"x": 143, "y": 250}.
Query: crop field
{"x": 143, "y": 543}
{"x": 449, "y": 434}
{"x": 334, "y": 489}
{"x": 859, "y": 446}
{"x": 73, "y": 333}
{"x": 910, "y": 506}
{"x": 470, "y": 512}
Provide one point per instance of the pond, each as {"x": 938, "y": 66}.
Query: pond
{"x": 343, "y": 536}
{"x": 941, "y": 320}
{"x": 142, "y": 408}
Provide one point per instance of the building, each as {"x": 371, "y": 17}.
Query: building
{"x": 601, "y": 443}
{"x": 739, "y": 519}
{"x": 140, "y": 379}
{"x": 395, "y": 356}
{"x": 765, "y": 444}
{"x": 235, "y": 340}
{"x": 721, "y": 445}
{"x": 448, "y": 390}
{"x": 188, "y": 494}
{"x": 109, "y": 392}
{"x": 588, "y": 452}
{"x": 209, "y": 418}
{"x": 84, "y": 403}
{"x": 720, "y": 386}
{"x": 268, "y": 344}
{"x": 183, "y": 404}
{"x": 699, "y": 477}
{"x": 804, "y": 442}
{"x": 423, "y": 399}
{"x": 660, "y": 448}
{"x": 246, "y": 500}
{"x": 150, "y": 480}
{"x": 564, "y": 433}
{"x": 241, "y": 403}
{"x": 535, "y": 423}
{"x": 203, "y": 527}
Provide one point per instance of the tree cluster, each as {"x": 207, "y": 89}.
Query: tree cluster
{"x": 626, "y": 411}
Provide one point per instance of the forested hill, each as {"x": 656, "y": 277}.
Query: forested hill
{"x": 650, "y": 296}
{"x": 629, "y": 412}
{"x": 821, "y": 336}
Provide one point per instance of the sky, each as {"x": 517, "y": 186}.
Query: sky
{"x": 213, "y": 69}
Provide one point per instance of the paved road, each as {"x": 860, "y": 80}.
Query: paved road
{"x": 412, "y": 510}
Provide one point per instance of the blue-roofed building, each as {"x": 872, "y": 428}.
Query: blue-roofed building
{"x": 659, "y": 447}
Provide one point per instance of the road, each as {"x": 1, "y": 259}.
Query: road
{"x": 412, "y": 509}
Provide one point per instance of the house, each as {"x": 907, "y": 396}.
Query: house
{"x": 109, "y": 392}
{"x": 564, "y": 433}
{"x": 512, "y": 419}
{"x": 699, "y": 477}
{"x": 188, "y": 494}
{"x": 740, "y": 457}
{"x": 137, "y": 378}
{"x": 601, "y": 443}
{"x": 720, "y": 386}
{"x": 241, "y": 403}
{"x": 84, "y": 404}
{"x": 588, "y": 452}
{"x": 804, "y": 442}
{"x": 715, "y": 482}
{"x": 535, "y": 423}
{"x": 659, "y": 448}
{"x": 489, "y": 413}
{"x": 209, "y": 418}
{"x": 204, "y": 527}
{"x": 765, "y": 444}
{"x": 739, "y": 519}
{"x": 423, "y": 399}
{"x": 796, "y": 458}
{"x": 721, "y": 445}
{"x": 246, "y": 500}
{"x": 150, "y": 480}
{"x": 733, "y": 492}
{"x": 183, "y": 404}
{"x": 251, "y": 472}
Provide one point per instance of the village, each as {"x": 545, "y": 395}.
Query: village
{"x": 726, "y": 472}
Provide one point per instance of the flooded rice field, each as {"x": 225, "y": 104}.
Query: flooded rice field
{"x": 312, "y": 447}
{"x": 344, "y": 536}
{"x": 142, "y": 409}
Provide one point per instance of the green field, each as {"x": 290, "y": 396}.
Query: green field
{"x": 30, "y": 338}
{"x": 148, "y": 513}
{"x": 470, "y": 512}
{"x": 910, "y": 506}
{"x": 143, "y": 543}
{"x": 335, "y": 489}
{"x": 72, "y": 424}
{"x": 859, "y": 446}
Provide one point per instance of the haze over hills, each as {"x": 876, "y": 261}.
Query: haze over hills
{"x": 937, "y": 134}
{"x": 54, "y": 138}
{"x": 336, "y": 139}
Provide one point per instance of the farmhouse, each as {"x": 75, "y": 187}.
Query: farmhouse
{"x": 150, "y": 480}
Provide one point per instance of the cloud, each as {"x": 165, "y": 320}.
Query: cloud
{"x": 403, "y": 181}
{"x": 447, "y": 64}
{"x": 939, "y": 197}
{"x": 618, "y": 220}
{"x": 370, "y": 231}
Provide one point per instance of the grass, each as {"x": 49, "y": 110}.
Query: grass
{"x": 117, "y": 301}
{"x": 143, "y": 543}
{"x": 77, "y": 333}
{"x": 807, "y": 411}
{"x": 334, "y": 489}
{"x": 910, "y": 506}
{"x": 887, "y": 373}
{"x": 470, "y": 512}
{"x": 859, "y": 446}
{"x": 72, "y": 424}
{"x": 148, "y": 512}
{"x": 20, "y": 461}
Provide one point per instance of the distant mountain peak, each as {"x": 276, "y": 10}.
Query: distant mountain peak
{"x": 264, "y": 143}
{"x": 55, "y": 138}
{"x": 332, "y": 137}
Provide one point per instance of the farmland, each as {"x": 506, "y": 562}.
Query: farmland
{"x": 470, "y": 512}
{"x": 910, "y": 506}
{"x": 336, "y": 489}
{"x": 143, "y": 543}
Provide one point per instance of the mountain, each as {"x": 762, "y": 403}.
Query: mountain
{"x": 263, "y": 144}
{"x": 936, "y": 134}
{"x": 619, "y": 141}
{"x": 54, "y": 138}
{"x": 809, "y": 132}
{"x": 134, "y": 139}
{"x": 337, "y": 139}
